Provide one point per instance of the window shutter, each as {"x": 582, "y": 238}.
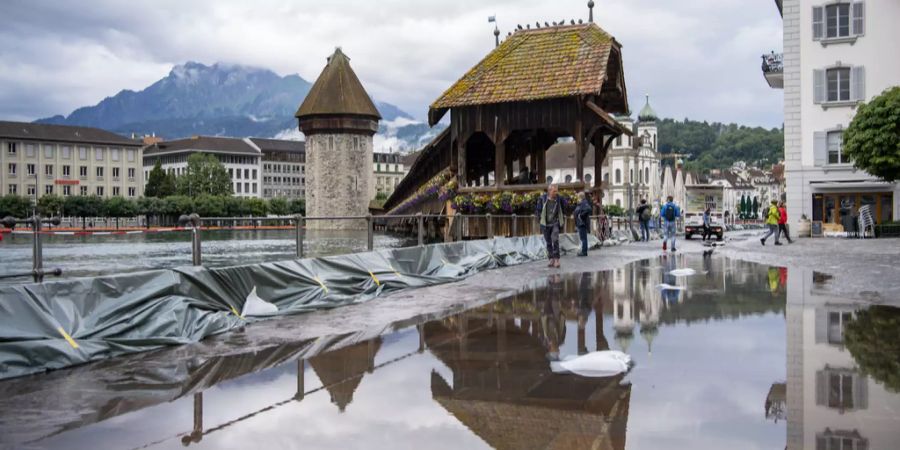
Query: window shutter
{"x": 860, "y": 391}
{"x": 818, "y": 86}
{"x": 858, "y": 16}
{"x": 820, "y": 387}
{"x": 818, "y": 14}
{"x": 820, "y": 157}
{"x": 858, "y": 83}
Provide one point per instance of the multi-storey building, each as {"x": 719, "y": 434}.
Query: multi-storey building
{"x": 834, "y": 58}
{"x": 283, "y": 168}
{"x": 631, "y": 169}
{"x": 388, "y": 171}
{"x": 41, "y": 159}
{"x": 263, "y": 168}
{"x": 241, "y": 158}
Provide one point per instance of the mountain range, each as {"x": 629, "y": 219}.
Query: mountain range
{"x": 227, "y": 100}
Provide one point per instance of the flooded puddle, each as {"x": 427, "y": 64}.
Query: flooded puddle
{"x": 734, "y": 355}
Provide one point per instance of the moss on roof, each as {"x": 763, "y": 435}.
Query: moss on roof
{"x": 557, "y": 61}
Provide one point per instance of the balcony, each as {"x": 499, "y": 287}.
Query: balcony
{"x": 773, "y": 69}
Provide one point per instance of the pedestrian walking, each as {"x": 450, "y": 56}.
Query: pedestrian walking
{"x": 782, "y": 222}
{"x": 772, "y": 217}
{"x": 538, "y": 207}
{"x": 670, "y": 212}
{"x": 644, "y": 216}
{"x": 707, "y": 226}
{"x": 552, "y": 221}
{"x": 583, "y": 220}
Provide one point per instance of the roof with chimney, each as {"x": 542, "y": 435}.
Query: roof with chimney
{"x": 337, "y": 91}
{"x": 541, "y": 63}
{"x": 62, "y": 133}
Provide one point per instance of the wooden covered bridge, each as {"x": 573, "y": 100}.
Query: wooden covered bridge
{"x": 535, "y": 88}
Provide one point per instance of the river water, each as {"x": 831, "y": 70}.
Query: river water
{"x": 736, "y": 357}
{"x": 104, "y": 254}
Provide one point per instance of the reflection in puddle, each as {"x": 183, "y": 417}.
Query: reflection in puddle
{"x": 710, "y": 373}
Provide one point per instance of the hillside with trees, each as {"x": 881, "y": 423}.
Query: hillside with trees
{"x": 716, "y": 145}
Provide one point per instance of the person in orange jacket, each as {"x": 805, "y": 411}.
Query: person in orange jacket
{"x": 782, "y": 222}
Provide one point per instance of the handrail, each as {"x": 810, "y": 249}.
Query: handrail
{"x": 194, "y": 224}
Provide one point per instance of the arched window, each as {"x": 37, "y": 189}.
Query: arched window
{"x": 588, "y": 178}
{"x": 631, "y": 176}
{"x": 618, "y": 202}
{"x": 568, "y": 178}
{"x": 618, "y": 176}
{"x": 606, "y": 178}
{"x": 647, "y": 175}
{"x": 549, "y": 179}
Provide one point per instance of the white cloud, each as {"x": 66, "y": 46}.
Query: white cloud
{"x": 62, "y": 55}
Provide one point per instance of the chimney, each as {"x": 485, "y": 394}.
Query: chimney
{"x": 590, "y": 10}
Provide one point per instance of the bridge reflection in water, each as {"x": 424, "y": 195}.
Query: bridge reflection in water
{"x": 482, "y": 377}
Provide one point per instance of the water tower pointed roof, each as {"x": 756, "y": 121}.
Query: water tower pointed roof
{"x": 647, "y": 113}
{"x": 337, "y": 91}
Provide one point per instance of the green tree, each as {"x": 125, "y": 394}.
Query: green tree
{"x": 873, "y": 338}
{"x": 15, "y": 206}
{"x": 204, "y": 175}
{"x": 257, "y": 206}
{"x": 209, "y": 205}
{"x": 83, "y": 207}
{"x": 118, "y": 207}
{"x": 50, "y": 205}
{"x": 297, "y": 206}
{"x": 742, "y": 209}
{"x": 150, "y": 207}
{"x": 754, "y": 212}
{"x": 177, "y": 205}
{"x": 155, "y": 181}
{"x": 279, "y": 207}
{"x": 872, "y": 141}
{"x": 235, "y": 207}
{"x": 168, "y": 186}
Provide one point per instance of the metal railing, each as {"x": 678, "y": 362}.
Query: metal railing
{"x": 193, "y": 223}
{"x": 37, "y": 249}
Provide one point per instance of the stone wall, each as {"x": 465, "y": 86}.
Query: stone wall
{"x": 338, "y": 179}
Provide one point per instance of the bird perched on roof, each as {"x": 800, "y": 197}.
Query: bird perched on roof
{"x": 537, "y": 24}
{"x": 519, "y": 26}
{"x": 579, "y": 21}
{"x": 546, "y": 24}
{"x": 573, "y": 21}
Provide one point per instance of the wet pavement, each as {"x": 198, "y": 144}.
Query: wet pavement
{"x": 741, "y": 355}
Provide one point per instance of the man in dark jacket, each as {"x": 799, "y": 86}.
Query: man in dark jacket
{"x": 552, "y": 221}
{"x": 583, "y": 220}
{"x": 643, "y": 213}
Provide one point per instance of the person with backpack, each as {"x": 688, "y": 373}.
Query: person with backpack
{"x": 707, "y": 225}
{"x": 583, "y": 220}
{"x": 670, "y": 212}
{"x": 772, "y": 217}
{"x": 782, "y": 222}
{"x": 552, "y": 221}
{"x": 644, "y": 216}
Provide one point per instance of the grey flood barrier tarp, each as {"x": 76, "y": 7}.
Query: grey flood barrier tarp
{"x": 62, "y": 323}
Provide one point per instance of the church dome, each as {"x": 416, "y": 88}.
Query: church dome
{"x": 647, "y": 113}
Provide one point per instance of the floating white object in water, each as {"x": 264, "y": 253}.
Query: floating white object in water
{"x": 595, "y": 364}
{"x": 255, "y": 306}
{"x": 682, "y": 272}
{"x": 665, "y": 286}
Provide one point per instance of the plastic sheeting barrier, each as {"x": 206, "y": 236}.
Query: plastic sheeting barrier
{"x": 62, "y": 323}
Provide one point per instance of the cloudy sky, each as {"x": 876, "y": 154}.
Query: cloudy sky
{"x": 698, "y": 59}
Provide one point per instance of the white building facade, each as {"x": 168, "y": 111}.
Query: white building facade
{"x": 835, "y": 56}
{"x": 241, "y": 158}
